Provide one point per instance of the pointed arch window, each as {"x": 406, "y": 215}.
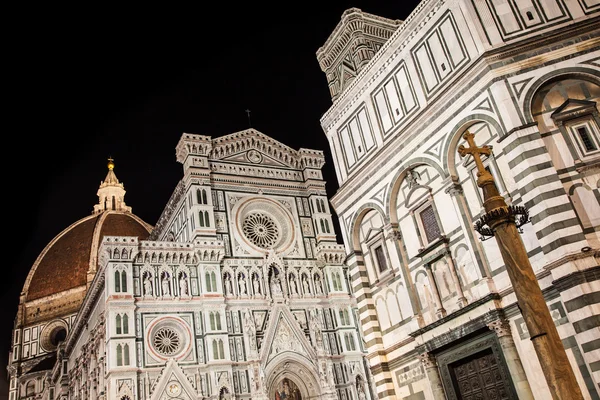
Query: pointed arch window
{"x": 119, "y": 355}
{"x": 218, "y": 349}
{"x": 327, "y": 230}
{"x": 117, "y": 281}
{"x": 120, "y": 281}
{"x": 118, "y": 324}
{"x": 202, "y": 197}
{"x": 344, "y": 317}
{"x": 126, "y": 354}
{"x": 337, "y": 281}
{"x": 215, "y": 321}
{"x": 211, "y": 281}
{"x": 125, "y": 324}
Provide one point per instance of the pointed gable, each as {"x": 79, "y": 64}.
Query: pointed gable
{"x": 285, "y": 335}
{"x": 251, "y": 146}
{"x": 173, "y": 383}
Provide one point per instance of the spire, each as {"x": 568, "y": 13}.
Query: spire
{"x": 111, "y": 194}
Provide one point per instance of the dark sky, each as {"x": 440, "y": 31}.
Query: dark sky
{"x": 85, "y": 84}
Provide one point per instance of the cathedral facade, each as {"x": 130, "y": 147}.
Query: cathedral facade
{"x": 437, "y": 308}
{"x": 239, "y": 291}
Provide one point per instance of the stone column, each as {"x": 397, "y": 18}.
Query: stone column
{"x": 440, "y": 312}
{"x": 393, "y": 238}
{"x": 513, "y": 361}
{"x": 433, "y": 375}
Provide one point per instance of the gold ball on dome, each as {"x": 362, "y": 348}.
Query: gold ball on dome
{"x": 111, "y": 164}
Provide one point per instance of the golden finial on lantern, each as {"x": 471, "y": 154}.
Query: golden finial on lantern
{"x": 111, "y": 163}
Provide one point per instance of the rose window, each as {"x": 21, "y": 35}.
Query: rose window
{"x": 261, "y": 230}
{"x": 166, "y": 341}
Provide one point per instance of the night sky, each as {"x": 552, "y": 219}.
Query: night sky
{"x": 86, "y": 84}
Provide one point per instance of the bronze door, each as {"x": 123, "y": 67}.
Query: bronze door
{"x": 478, "y": 377}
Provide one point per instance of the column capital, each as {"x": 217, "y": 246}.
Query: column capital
{"x": 428, "y": 360}
{"x": 454, "y": 189}
{"x": 501, "y": 327}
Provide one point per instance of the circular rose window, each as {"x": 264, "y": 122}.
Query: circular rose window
{"x": 264, "y": 223}
{"x": 168, "y": 337}
{"x": 261, "y": 230}
{"x": 166, "y": 341}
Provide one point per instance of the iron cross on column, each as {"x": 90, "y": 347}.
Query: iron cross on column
{"x": 483, "y": 175}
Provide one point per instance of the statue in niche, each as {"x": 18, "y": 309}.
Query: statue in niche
{"x": 256, "y": 284}
{"x": 275, "y": 283}
{"x": 361, "y": 392}
{"x": 318, "y": 286}
{"x": 147, "y": 285}
{"x": 315, "y": 326}
{"x": 228, "y": 285}
{"x": 305, "y": 284}
{"x": 293, "y": 285}
{"x": 242, "y": 284}
{"x": 166, "y": 288}
{"x": 250, "y": 327}
{"x": 183, "y": 285}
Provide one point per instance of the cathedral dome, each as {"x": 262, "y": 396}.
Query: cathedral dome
{"x": 58, "y": 279}
{"x": 66, "y": 260}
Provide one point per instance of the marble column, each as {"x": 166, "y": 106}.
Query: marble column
{"x": 440, "y": 311}
{"x": 513, "y": 361}
{"x": 433, "y": 375}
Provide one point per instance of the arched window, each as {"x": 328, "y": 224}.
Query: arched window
{"x": 322, "y": 226}
{"x": 349, "y": 339}
{"x": 221, "y": 350}
{"x": 119, "y": 355}
{"x": 215, "y": 350}
{"x": 322, "y": 205}
{"x": 327, "y": 226}
{"x": 337, "y": 281}
{"x": 123, "y": 281}
{"x": 201, "y": 216}
{"x": 202, "y": 199}
{"x": 206, "y": 219}
{"x": 213, "y": 278}
{"x": 319, "y": 206}
{"x": 218, "y": 320}
{"x": 117, "y": 281}
{"x": 114, "y": 203}
{"x": 208, "y": 282}
{"x": 125, "y": 324}
{"x": 126, "y": 354}
{"x": 212, "y": 321}
{"x": 119, "y": 328}
{"x": 344, "y": 317}
{"x": 30, "y": 388}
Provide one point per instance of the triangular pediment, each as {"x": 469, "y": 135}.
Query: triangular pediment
{"x": 284, "y": 334}
{"x": 173, "y": 383}
{"x": 253, "y": 147}
{"x": 573, "y": 105}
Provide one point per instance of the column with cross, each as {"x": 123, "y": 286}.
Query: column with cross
{"x": 499, "y": 221}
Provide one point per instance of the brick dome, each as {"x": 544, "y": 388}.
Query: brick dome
{"x": 65, "y": 262}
